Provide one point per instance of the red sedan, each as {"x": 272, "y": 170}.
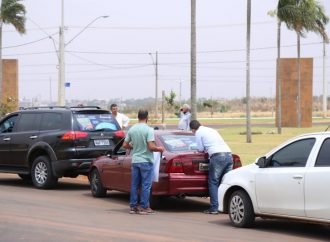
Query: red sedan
{"x": 182, "y": 170}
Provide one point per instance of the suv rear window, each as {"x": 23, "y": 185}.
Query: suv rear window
{"x": 96, "y": 121}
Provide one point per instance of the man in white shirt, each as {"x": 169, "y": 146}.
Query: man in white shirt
{"x": 122, "y": 119}
{"x": 184, "y": 117}
{"x": 209, "y": 140}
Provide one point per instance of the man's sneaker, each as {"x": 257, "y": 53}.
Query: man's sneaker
{"x": 146, "y": 211}
{"x": 133, "y": 211}
{"x": 208, "y": 211}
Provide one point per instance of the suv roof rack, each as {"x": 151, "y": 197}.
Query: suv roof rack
{"x": 44, "y": 107}
{"x": 60, "y": 107}
{"x": 82, "y": 106}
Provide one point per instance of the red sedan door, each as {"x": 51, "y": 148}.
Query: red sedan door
{"x": 126, "y": 173}
{"x": 111, "y": 172}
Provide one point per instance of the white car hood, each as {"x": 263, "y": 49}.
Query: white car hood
{"x": 234, "y": 176}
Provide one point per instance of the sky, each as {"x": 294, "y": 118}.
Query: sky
{"x": 114, "y": 57}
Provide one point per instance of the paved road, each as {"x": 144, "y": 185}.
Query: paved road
{"x": 70, "y": 213}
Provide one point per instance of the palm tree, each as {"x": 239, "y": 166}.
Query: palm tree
{"x": 278, "y": 76}
{"x": 193, "y": 61}
{"x": 11, "y": 12}
{"x": 302, "y": 16}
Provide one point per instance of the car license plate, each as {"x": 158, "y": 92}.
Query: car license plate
{"x": 203, "y": 166}
{"x": 101, "y": 142}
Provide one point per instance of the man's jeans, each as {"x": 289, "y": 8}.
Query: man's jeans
{"x": 141, "y": 174}
{"x": 219, "y": 165}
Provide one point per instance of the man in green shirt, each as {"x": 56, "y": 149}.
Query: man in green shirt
{"x": 140, "y": 138}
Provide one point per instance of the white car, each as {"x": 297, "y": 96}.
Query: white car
{"x": 292, "y": 181}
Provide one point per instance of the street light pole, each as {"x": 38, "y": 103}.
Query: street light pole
{"x": 61, "y": 71}
{"x": 62, "y": 45}
{"x": 155, "y": 63}
{"x": 325, "y": 86}
{"x": 105, "y": 16}
{"x": 180, "y": 91}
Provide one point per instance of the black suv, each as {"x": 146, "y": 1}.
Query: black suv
{"x": 46, "y": 143}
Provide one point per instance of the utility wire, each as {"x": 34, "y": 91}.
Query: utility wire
{"x": 187, "y": 52}
{"x": 151, "y": 28}
{"x": 176, "y": 27}
{"x": 110, "y": 66}
{"x": 146, "y": 53}
{"x": 166, "y": 63}
{"x": 105, "y": 69}
{"x": 28, "y": 43}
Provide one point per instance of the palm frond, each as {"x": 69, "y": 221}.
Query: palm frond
{"x": 13, "y": 12}
{"x": 303, "y": 16}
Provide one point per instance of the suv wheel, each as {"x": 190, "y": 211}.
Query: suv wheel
{"x": 97, "y": 188}
{"x": 240, "y": 209}
{"x": 42, "y": 175}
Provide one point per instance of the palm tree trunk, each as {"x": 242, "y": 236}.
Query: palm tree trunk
{"x": 193, "y": 61}
{"x": 278, "y": 68}
{"x": 299, "y": 83}
{"x": 248, "y": 108}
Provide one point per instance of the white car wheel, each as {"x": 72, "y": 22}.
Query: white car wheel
{"x": 240, "y": 209}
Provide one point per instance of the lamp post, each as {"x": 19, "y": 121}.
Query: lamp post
{"x": 61, "y": 71}
{"x": 155, "y": 63}
{"x": 83, "y": 29}
{"x": 248, "y": 101}
{"x": 325, "y": 85}
{"x": 180, "y": 88}
{"x": 62, "y": 45}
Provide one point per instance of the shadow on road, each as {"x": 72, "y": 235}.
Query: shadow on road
{"x": 63, "y": 184}
{"x": 165, "y": 204}
{"x": 305, "y": 230}
{"x": 299, "y": 229}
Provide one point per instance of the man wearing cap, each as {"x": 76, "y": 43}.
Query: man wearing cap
{"x": 209, "y": 140}
{"x": 184, "y": 117}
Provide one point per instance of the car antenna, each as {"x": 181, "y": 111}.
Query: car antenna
{"x": 327, "y": 128}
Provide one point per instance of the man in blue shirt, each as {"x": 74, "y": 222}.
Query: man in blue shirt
{"x": 209, "y": 140}
{"x": 140, "y": 137}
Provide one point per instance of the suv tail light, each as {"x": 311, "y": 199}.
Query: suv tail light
{"x": 119, "y": 133}
{"x": 236, "y": 161}
{"x": 174, "y": 166}
{"x": 73, "y": 135}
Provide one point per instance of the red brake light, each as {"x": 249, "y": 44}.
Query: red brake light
{"x": 120, "y": 134}
{"x": 236, "y": 162}
{"x": 73, "y": 135}
{"x": 175, "y": 166}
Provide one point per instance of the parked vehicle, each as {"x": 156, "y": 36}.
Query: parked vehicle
{"x": 291, "y": 182}
{"x": 182, "y": 171}
{"x": 46, "y": 143}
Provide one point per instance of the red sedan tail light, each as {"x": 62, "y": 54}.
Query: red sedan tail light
{"x": 174, "y": 166}
{"x": 119, "y": 133}
{"x": 236, "y": 161}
